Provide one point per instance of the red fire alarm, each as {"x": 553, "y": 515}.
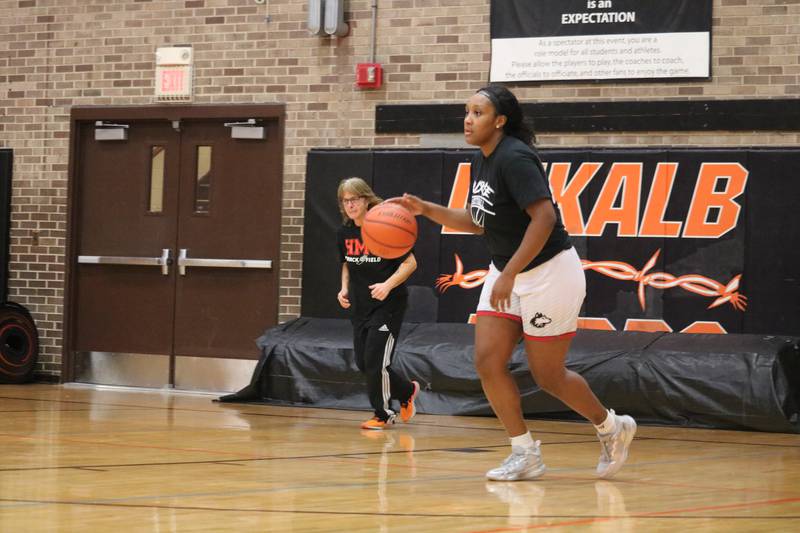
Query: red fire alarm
{"x": 369, "y": 75}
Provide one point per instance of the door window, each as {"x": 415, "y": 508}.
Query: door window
{"x": 202, "y": 192}
{"x": 158, "y": 157}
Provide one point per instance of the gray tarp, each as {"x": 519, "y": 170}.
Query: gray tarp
{"x": 713, "y": 381}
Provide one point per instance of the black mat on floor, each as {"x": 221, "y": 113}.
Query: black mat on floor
{"x": 749, "y": 382}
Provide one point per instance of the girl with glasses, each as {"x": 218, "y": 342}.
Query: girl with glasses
{"x": 374, "y": 290}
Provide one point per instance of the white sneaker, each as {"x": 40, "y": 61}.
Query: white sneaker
{"x": 614, "y": 446}
{"x": 523, "y": 463}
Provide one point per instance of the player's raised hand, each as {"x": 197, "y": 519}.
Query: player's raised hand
{"x": 413, "y": 203}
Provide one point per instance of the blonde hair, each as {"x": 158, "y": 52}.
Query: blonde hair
{"x": 356, "y": 187}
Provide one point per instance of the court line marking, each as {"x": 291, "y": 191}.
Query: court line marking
{"x": 254, "y": 458}
{"x": 354, "y": 454}
{"x": 68, "y": 440}
{"x": 4, "y": 411}
{"x": 351, "y": 454}
{"x": 658, "y": 515}
{"x": 423, "y": 423}
{"x": 582, "y": 519}
{"x": 553, "y": 473}
{"x": 281, "y": 488}
{"x": 371, "y": 454}
{"x": 645, "y": 515}
{"x": 241, "y": 457}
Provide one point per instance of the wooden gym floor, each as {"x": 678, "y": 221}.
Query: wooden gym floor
{"x": 99, "y": 459}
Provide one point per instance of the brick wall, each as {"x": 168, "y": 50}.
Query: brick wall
{"x": 55, "y": 54}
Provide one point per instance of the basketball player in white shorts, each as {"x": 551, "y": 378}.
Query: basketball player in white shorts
{"x": 545, "y": 299}
{"x": 539, "y": 292}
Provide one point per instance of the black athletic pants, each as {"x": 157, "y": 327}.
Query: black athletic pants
{"x": 374, "y": 347}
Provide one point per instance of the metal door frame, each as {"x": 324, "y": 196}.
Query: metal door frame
{"x": 167, "y": 113}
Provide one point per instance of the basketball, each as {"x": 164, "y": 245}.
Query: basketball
{"x": 389, "y": 230}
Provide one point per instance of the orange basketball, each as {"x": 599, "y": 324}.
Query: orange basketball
{"x": 389, "y": 230}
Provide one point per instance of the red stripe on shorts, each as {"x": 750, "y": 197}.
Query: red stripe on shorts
{"x": 550, "y": 338}
{"x": 515, "y": 318}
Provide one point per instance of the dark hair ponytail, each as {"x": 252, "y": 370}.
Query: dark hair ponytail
{"x": 505, "y": 103}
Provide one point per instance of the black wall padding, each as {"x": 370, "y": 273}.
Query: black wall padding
{"x": 773, "y": 254}
{"x": 573, "y": 117}
{"x": 749, "y": 382}
{"x": 5, "y": 218}
{"x": 322, "y": 217}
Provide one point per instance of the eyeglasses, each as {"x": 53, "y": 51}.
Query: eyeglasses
{"x": 352, "y": 201}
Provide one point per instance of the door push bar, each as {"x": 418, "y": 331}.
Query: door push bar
{"x": 164, "y": 261}
{"x": 184, "y": 261}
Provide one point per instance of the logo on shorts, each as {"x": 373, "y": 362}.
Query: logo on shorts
{"x": 539, "y": 320}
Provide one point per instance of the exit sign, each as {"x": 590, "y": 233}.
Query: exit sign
{"x": 174, "y": 82}
{"x": 174, "y": 73}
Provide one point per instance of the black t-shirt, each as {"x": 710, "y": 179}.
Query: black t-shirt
{"x": 366, "y": 269}
{"x": 503, "y": 185}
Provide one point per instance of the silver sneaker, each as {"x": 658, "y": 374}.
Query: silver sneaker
{"x": 523, "y": 463}
{"x": 614, "y": 446}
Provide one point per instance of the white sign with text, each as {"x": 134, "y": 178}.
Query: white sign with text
{"x": 631, "y": 56}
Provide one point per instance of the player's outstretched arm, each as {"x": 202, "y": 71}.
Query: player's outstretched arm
{"x": 458, "y": 219}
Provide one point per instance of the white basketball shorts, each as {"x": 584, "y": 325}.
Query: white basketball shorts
{"x": 545, "y": 299}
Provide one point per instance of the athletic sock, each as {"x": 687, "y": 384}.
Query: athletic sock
{"x": 525, "y": 440}
{"x": 608, "y": 425}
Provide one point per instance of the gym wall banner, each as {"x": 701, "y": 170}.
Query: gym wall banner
{"x": 559, "y": 40}
{"x": 691, "y": 240}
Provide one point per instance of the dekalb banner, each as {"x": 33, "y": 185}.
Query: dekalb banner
{"x": 559, "y": 40}
{"x": 694, "y": 241}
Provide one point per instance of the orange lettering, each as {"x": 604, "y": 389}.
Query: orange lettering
{"x": 566, "y": 196}
{"x": 705, "y": 198}
{"x": 626, "y": 177}
{"x": 459, "y": 195}
{"x": 602, "y": 324}
{"x": 704, "y": 327}
{"x": 644, "y": 324}
{"x": 653, "y": 224}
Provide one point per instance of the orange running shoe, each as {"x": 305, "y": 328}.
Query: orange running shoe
{"x": 377, "y": 424}
{"x": 407, "y": 408}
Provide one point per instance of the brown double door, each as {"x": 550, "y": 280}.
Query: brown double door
{"x": 174, "y": 247}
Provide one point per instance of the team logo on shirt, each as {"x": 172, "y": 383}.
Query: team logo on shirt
{"x": 481, "y": 192}
{"x": 361, "y": 259}
{"x": 539, "y": 320}
{"x": 357, "y": 253}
